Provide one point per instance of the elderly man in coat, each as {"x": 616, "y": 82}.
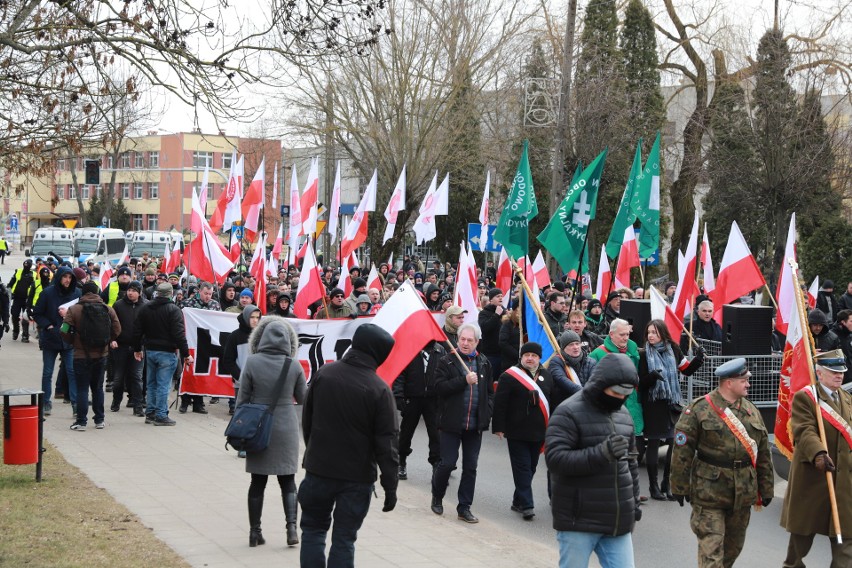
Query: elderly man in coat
{"x": 807, "y": 511}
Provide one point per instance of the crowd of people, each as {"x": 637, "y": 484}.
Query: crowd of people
{"x": 599, "y": 408}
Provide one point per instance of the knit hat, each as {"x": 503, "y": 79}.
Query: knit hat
{"x": 164, "y": 290}
{"x": 359, "y": 283}
{"x": 79, "y": 273}
{"x": 494, "y": 292}
{"x": 531, "y": 347}
{"x": 567, "y": 338}
{"x": 817, "y": 317}
{"x": 335, "y": 292}
{"x": 246, "y": 292}
{"x": 150, "y": 271}
{"x": 136, "y": 285}
{"x": 593, "y": 303}
{"x": 611, "y": 296}
{"x": 89, "y": 288}
{"x": 124, "y": 271}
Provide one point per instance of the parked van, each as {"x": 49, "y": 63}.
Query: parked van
{"x": 98, "y": 244}
{"x": 49, "y": 241}
{"x": 155, "y": 243}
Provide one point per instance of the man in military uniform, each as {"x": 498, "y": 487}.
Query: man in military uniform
{"x": 719, "y": 440}
{"x": 807, "y": 510}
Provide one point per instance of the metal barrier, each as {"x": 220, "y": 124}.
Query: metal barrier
{"x": 765, "y": 375}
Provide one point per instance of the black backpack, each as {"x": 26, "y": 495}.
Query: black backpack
{"x": 95, "y": 327}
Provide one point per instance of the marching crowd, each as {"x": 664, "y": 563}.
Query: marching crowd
{"x": 598, "y": 409}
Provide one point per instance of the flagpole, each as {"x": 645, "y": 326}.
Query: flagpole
{"x": 578, "y": 282}
{"x": 809, "y": 350}
{"x": 539, "y": 315}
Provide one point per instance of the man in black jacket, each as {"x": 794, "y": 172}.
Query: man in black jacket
{"x": 490, "y": 320}
{"x": 127, "y": 370}
{"x": 590, "y": 452}
{"x": 349, "y": 425}
{"x": 826, "y": 302}
{"x": 159, "y": 327}
{"x": 466, "y": 401}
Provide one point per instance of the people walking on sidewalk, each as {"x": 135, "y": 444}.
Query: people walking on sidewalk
{"x": 272, "y": 344}
{"x": 20, "y": 286}
{"x": 128, "y": 371}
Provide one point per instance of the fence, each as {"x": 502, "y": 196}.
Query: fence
{"x": 765, "y": 375}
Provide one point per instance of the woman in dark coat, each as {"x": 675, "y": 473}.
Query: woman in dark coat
{"x": 660, "y": 365}
{"x": 271, "y": 344}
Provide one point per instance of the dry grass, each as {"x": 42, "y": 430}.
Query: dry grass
{"x": 65, "y": 521}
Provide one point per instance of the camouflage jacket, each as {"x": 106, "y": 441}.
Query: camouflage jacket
{"x": 195, "y": 302}
{"x": 703, "y": 442}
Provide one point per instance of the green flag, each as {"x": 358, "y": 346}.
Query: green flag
{"x": 625, "y": 216}
{"x": 513, "y": 229}
{"x": 565, "y": 234}
{"x": 646, "y": 203}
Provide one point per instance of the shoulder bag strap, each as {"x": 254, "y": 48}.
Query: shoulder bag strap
{"x": 279, "y": 386}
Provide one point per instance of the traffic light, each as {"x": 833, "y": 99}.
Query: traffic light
{"x": 93, "y": 172}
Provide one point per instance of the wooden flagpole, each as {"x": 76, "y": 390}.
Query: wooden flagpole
{"x": 538, "y": 312}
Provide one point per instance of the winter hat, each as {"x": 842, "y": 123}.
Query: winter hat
{"x": 817, "y": 317}
{"x": 567, "y": 338}
{"x": 246, "y": 292}
{"x": 124, "y": 271}
{"x": 611, "y": 296}
{"x": 336, "y": 291}
{"x": 531, "y": 347}
{"x": 150, "y": 271}
{"x": 136, "y": 285}
{"x": 494, "y": 292}
{"x": 165, "y": 290}
{"x": 79, "y": 273}
{"x": 359, "y": 283}
{"x": 594, "y": 303}
{"x": 559, "y": 285}
{"x": 89, "y": 288}
{"x": 363, "y": 299}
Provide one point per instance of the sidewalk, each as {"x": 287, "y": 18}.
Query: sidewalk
{"x": 184, "y": 485}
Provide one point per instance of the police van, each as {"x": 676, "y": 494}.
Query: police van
{"x": 99, "y": 244}
{"x": 155, "y": 243}
{"x": 52, "y": 241}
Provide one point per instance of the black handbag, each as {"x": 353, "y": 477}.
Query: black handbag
{"x": 251, "y": 425}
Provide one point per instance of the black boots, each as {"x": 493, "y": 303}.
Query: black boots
{"x": 291, "y": 510}
{"x": 654, "y": 488}
{"x": 255, "y": 508}
{"x": 665, "y": 487}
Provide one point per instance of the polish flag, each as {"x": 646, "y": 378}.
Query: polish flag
{"x": 466, "y": 288}
{"x": 540, "y": 274}
{"x": 628, "y": 257}
{"x": 125, "y": 257}
{"x": 229, "y": 207}
{"x": 406, "y": 318}
{"x": 471, "y": 262}
{"x": 207, "y": 258}
{"x": 279, "y": 243}
{"x": 253, "y": 201}
{"x": 257, "y": 269}
{"x": 795, "y": 376}
{"x": 373, "y": 280}
{"x": 661, "y": 310}
{"x": 390, "y": 262}
{"x": 310, "y": 285}
{"x": 295, "y": 216}
{"x": 395, "y": 205}
{"x": 424, "y": 225}
{"x": 334, "y": 212}
{"x": 505, "y": 275}
{"x": 106, "y": 275}
{"x": 172, "y": 259}
{"x": 310, "y": 198}
{"x": 234, "y": 246}
{"x": 345, "y": 282}
{"x": 202, "y": 193}
{"x": 687, "y": 288}
{"x": 707, "y": 263}
{"x": 604, "y": 284}
{"x": 738, "y": 273}
{"x": 785, "y": 293}
{"x": 483, "y": 214}
{"x": 813, "y": 292}
{"x": 526, "y": 268}
{"x": 356, "y": 231}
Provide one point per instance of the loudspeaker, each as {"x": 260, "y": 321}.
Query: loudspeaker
{"x": 746, "y": 330}
{"x": 638, "y": 314}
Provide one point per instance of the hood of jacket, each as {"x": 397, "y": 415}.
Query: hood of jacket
{"x": 373, "y": 341}
{"x": 274, "y": 334}
{"x": 243, "y": 317}
{"x": 613, "y": 369}
{"x": 57, "y": 280}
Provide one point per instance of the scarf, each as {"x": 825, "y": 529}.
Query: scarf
{"x": 661, "y": 358}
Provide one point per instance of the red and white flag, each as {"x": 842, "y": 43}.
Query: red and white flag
{"x": 356, "y": 231}
{"x": 687, "y": 287}
{"x": 344, "y": 282}
{"x": 295, "y": 229}
{"x": 202, "y": 193}
{"x": 334, "y": 211}
{"x": 466, "y": 288}
{"x": 125, "y": 257}
{"x": 813, "y": 292}
{"x": 526, "y": 269}
{"x": 229, "y": 207}
{"x": 310, "y": 288}
{"x": 275, "y": 186}
{"x": 785, "y": 292}
{"x": 707, "y": 263}
{"x": 206, "y": 257}
{"x": 406, "y": 318}
{"x": 424, "y": 225}
{"x": 279, "y": 243}
{"x": 373, "y": 280}
{"x": 106, "y": 275}
{"x": 738, "y": 273}
{"x": 235, "y": 248}
{"x": 539, "y": 268}
{"x": 661, "y": 310}
{"x": 395, "y": 205}
{"x": 257, "y": 269}
{"x": 505, "y": 275}
{"x": 172, "y": 259}
{"x": 483, "y": 214}
{"x": 310, "y": 199}
{"x": 603, "y": 286}
{"x": 795, "y": 375}
{"x": 628, "y": 257}
{"x": 253, "y": 201}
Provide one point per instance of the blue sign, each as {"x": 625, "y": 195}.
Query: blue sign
{"x": 473, "y": 233}
{"x": 13, "y": 223}
{"x": 237, "y": 231}
{"x": 654, "y": 259}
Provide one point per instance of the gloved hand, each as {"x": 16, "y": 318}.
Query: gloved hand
{"x": 656, "y": 375}
{"x": 390, "y": 501}
{"x": 637, "y": 513}
{"x": 699, "y": 352}
{"x": 615, "y": 447}
{"x": 680, "y": 499}
{"x": 767, "y": 501}
{"x": 823, "y": 462}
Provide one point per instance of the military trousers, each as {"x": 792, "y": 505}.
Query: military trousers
{"x": 800, "y": 545}
{"x": 721, "y": 534}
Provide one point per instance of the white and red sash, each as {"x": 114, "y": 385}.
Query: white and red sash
{"x": 737, "y": 429}
{"x": 831, "y": 416}
{"x": 528, "y": 383}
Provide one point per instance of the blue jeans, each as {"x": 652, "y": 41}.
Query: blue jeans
{"x": 48, "y": 358}
{"x": 575, "y": 549}
{"x": 160, "y": 365}
{"x": 524, "y": 459}
{"x": 350, "y": 502}
{"x": 470, "y": 442}
{"x": 89, "y": 374}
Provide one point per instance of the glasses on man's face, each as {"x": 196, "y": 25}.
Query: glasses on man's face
{"x": 337, "y": 296}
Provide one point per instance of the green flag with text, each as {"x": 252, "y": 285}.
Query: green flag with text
{"x": 513, "y": 228}
{"x": 625, "y": 215}
{"x": 646, "y": 203}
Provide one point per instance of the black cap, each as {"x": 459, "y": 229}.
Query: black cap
{"x": 136, "y": 285}
{"x": 494, "y": 292}
{"x": 359, "y": 283}
{"x": 531, "y": 347}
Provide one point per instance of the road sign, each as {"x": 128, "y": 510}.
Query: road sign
{"x": 654, "y": 259}
{"x": 13, "y": 223}
{"x": 473, "y": 232}
{"x": 237, "y": 231}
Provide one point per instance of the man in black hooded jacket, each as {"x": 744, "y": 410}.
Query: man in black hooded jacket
{"x": 590, "y": 452}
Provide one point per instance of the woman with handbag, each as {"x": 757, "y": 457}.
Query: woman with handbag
{"x": 271, "y": 368}
{"x": 660, "y": 365}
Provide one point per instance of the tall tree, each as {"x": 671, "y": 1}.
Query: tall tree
{"x": 645, "y": 103}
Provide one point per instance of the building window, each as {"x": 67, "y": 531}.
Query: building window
{"x": 153, "y": 222}
{"x": 72, "y": 193}
{"x": 153, "y": 191}
{"x": 60, "y": 165}
{"x": 140, "y": 160}
{"x": 125, "y": 191}
{"x": 98, "y": 191}
{"x": 136, "y": 220}
{"x": 226, "y": 161}
{"x": 86, "y": 192}
{"x": 124, "y": 161}
{"x": 154, "y": 159}
{"x": 202, "y": 159}
{"x": 60, "y": 192}
{"x": 110, "y": 162}
{"x": 137, "y": 191}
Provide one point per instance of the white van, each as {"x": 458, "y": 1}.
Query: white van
{"x": 52, "y": 241}
{"x": 98, "y": 244}
{"x": 155, "y": 243}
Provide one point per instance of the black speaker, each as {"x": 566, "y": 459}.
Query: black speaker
{"x": 746, "y": 330}
{"x": 638, "y": 314}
